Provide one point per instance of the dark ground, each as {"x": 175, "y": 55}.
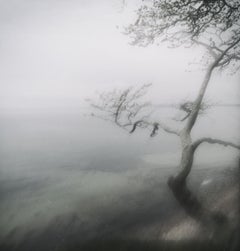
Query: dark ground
{"x": 142, "y": 228}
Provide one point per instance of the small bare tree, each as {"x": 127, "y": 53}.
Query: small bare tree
{"x": 215, "y": 25}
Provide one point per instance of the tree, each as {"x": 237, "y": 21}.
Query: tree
{"x": 215, "y": 25}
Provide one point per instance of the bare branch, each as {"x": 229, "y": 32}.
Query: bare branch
{"x": 207, "y": 46}
{"x": 168, "y": 129}
{"x": 155, "y": 127}
{"x": 197, "y": 143}
{"x": 154, "y": 130}
{"x": 125, "y": 108}
{"x": 187, "y": 107}
{"x": 137, "y": 123}
{"x": 197, "y": 104}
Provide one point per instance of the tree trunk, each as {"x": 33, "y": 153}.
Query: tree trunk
{"x": 178, "y": 183}
{"x": 214, "y": 221}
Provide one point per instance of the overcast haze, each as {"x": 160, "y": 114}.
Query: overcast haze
{"x": 66, "y": 179}
{"x": 54, "y": 54}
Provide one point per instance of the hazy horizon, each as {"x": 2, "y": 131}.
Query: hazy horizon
{"x": 54, "y": 54}
{"x": 67, "y": 177}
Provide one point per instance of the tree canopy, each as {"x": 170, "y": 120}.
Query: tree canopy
{"x": 212, "y": 24}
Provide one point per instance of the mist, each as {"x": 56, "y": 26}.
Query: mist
{"x": 68, "y": 178}
{"x": 54, "y": 54}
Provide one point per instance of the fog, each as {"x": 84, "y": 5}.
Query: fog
{"x": 54, "y": 54}
{"x": 73, "y": 178}
{"x": 66, "y": 177}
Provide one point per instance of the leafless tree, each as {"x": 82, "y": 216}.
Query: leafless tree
{"x": 215, "y": 25}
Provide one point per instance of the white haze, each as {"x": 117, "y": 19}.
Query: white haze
{"x": 54, "y": 54}
{"x": 71, "y": 177}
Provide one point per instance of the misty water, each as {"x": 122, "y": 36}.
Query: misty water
{"x": 77, "y": 169}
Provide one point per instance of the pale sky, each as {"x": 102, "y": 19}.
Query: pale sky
{"x": 56, "y": 53}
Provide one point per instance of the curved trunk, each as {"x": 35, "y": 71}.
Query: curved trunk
{"x": 187, "y": 156}
{"x": 178, "y": 183}
{"x": 188, "y": 201}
